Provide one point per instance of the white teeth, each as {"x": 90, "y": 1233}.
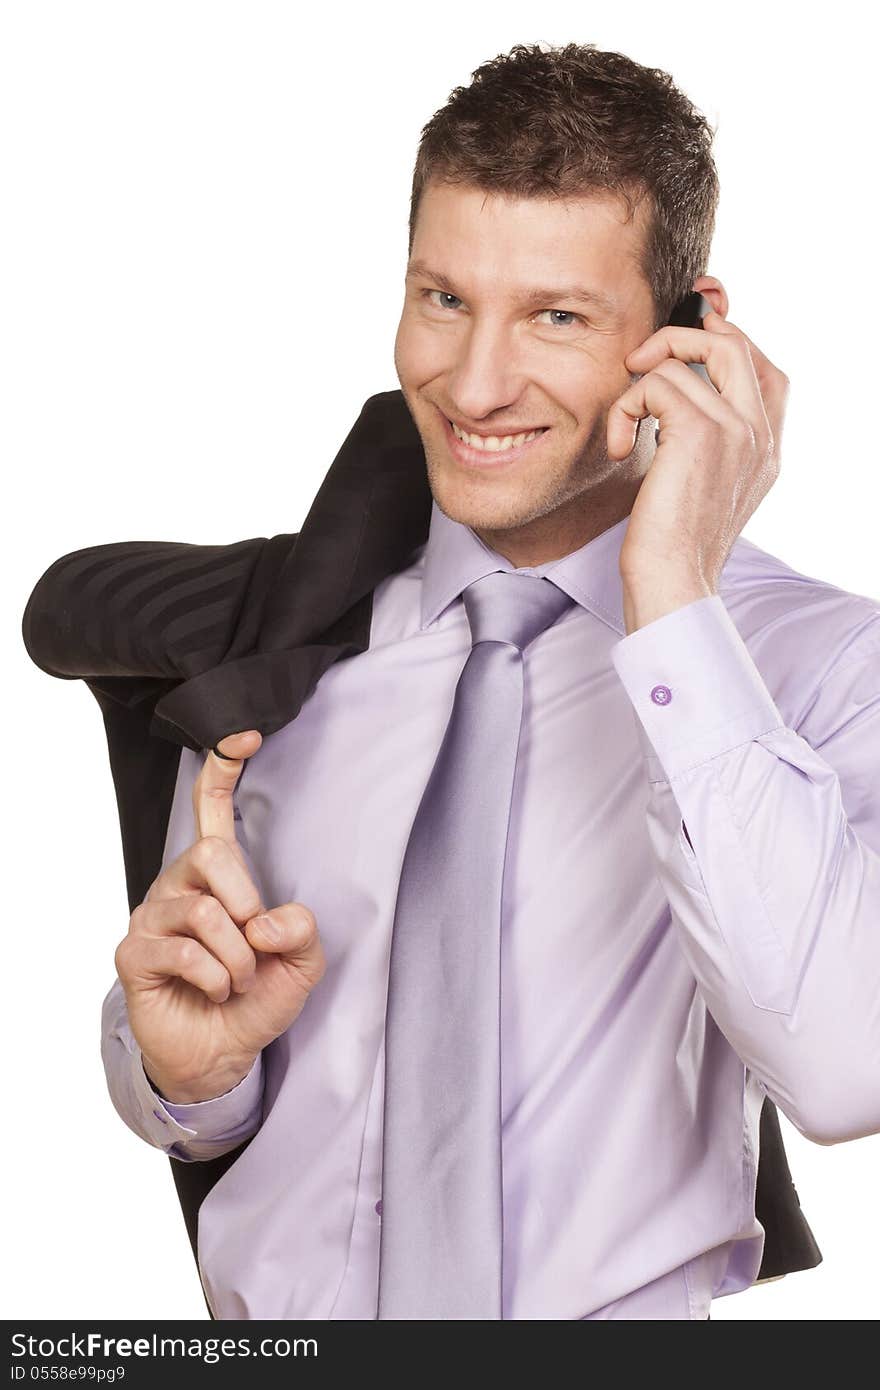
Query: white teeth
{"x": 493, "y": 443}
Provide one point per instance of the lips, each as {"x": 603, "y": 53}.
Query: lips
{"x": 483, "y": 458}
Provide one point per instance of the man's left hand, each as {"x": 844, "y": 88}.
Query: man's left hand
{"x": 717, "y": 458}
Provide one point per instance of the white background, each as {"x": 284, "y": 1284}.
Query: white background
{"x": 203, "y": 250}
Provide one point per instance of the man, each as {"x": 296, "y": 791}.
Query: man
{"x": 656, "y": 978}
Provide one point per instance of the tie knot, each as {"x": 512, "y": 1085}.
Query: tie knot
{"x": 508, "y": 607}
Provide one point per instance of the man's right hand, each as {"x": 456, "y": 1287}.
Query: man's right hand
{"x": 204, "y": 997}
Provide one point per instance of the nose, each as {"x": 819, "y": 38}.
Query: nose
{"x": 487, "y": 378}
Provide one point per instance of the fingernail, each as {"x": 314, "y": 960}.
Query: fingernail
{"x": 268, "y": 928}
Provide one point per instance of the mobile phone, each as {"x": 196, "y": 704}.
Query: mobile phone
{"x": 688, "y": 313}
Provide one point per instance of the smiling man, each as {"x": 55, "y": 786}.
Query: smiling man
{"x": 519, "y": 313}
{"x": 479, "y": 958}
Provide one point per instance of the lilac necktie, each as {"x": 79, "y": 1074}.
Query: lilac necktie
{"x": 441, "y": 1233}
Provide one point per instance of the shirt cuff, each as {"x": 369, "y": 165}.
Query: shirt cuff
{"x": 215, "y": 1120}
{"x": 694, "y": 687}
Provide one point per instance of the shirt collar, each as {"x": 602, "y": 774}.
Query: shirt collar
{"x": 456, "y": 557}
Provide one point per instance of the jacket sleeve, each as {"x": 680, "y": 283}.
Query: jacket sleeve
{"x": 202, "y": 1130}
{"x": 137, "y": 610}
{"x": 767, "y": 844}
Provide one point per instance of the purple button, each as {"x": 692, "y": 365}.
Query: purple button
{"x": 379, "y": 1207}
{"x": 160, "y": 1117}
{"x": 661, "y": 694}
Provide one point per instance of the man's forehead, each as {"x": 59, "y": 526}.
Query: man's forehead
{"x": 556, "y": 241}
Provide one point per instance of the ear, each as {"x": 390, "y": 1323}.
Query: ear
{"x": 714, "y": 291}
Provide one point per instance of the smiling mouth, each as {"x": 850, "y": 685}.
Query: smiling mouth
{"x": 484, "y": 451}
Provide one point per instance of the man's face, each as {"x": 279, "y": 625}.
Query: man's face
{"x": 472, "y": 348}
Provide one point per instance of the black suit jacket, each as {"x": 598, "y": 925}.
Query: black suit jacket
{"x": 183, "y": 644}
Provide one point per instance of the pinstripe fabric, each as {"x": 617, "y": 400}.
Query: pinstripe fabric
{"x": 131, "y": 607}
{"x": 183, "y": 644}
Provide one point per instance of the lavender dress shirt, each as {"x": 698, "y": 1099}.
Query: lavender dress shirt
{"x": 690, "y": 919}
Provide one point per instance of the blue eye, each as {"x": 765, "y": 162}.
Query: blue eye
{"x": 445, "y": 293}
{"x": 567, "y": 313}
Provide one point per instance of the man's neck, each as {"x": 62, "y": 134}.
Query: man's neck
{"x": 561, "y": 532}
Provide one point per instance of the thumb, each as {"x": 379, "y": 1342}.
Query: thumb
{"x": 289, "y": 930}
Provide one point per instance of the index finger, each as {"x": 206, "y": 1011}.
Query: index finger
{"x": 212, "y": 793}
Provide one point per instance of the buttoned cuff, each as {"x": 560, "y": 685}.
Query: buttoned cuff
{"x": 215, "y": 1120}
{"x": 694, "y": 687}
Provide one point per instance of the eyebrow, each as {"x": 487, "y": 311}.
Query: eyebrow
{"x": 529, "y": 298}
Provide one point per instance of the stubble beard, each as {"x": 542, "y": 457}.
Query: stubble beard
{"x": 555, "y": 485}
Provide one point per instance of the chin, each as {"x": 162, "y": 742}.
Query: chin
{"x": 501, "y": 511}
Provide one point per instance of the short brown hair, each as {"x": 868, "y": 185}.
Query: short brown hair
{"x": 570, "y": 121}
